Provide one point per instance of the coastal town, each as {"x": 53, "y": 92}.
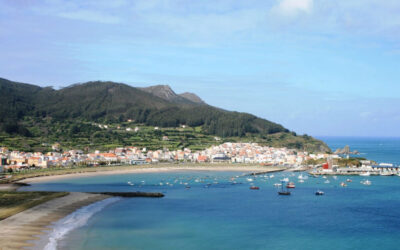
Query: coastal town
{"x": 229, "y": 153}
{"x": 247, "y": 153}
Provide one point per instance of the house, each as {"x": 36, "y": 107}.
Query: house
{"x": 110, "y": 157}
{"x": 202, "y": 158}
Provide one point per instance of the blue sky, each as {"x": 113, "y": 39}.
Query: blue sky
{"x": 321, "y": 67}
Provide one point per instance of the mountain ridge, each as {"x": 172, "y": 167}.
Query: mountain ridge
{"x": 105, "y": 101}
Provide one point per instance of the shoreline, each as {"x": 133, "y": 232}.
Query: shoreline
{"x": 153, "y": 169}
{"x": 25, "y": 229}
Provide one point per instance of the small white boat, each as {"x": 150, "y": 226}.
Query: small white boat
{"x": 271, "y": 176}
{"x": 277, "y": 184}
{"x": 386, "y": 173}
{"x": 365, "y": 174}
{"x": 302, "y": 177}
{"x": 327, "y": 182}
{"x": 301, "y": 180}
{"x": 366, "y": 182}
{"x": 249, "y": 179}
{"x": 285, "y": 179}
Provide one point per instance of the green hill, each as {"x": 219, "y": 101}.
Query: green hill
{"x": 41, "y": 114}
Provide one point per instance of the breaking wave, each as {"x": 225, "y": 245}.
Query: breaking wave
{"x": 75, "y": 220}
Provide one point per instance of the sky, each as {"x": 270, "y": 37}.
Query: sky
{"x": 320, "y": 67}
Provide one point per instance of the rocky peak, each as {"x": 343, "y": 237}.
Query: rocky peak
{"x": 163, "y": 91}
{"x": 192, "y": 97}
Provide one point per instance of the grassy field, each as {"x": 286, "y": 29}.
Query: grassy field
{"x": 13, "y": 202}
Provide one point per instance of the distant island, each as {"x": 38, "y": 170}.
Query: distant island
{"x": 104, "y": 115}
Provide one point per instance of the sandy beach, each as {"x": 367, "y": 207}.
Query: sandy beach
{"x": 20, "y": 229}
{"x": 157, "y": 169}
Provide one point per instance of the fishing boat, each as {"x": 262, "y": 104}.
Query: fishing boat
{"x": 254, "y": 188}
{"x": 319, "y": 192}
{"x": 282, "y": 191}
{"x": 290, "y": 185}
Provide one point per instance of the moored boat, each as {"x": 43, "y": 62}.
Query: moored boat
{"x": 290, "y": 185}
{"x": 366, "y": 182}
{"x": 319, "y": 192}
{"x": 365, "y": 174}
{"x": 282, "y": 191}
{"x": 254, "y": 188}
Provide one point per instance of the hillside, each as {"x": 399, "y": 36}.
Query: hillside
{"x": 42, "y": 114}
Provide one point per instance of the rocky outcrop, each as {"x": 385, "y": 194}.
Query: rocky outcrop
{"x": 192, "y": 97}
{"x": 346, "y": 151}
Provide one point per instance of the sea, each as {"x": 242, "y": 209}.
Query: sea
{"x": 218, "y": 210}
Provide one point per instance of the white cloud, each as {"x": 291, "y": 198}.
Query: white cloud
{"x": 91, "y": 16}
{"x": 292, "y": 8}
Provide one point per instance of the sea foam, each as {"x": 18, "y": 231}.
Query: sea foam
{"x": 75, "y": 220}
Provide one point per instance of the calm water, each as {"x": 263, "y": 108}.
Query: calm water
{"x": 224, "y": 215}
{"x": 378, "y": 149}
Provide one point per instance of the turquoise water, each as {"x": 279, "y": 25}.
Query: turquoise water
{"x": 226, "y": 216}
{"x": 215, "y": 213}
{"x": 380, "y": 149}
